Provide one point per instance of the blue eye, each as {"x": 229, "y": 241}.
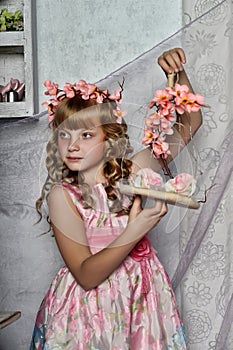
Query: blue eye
{"x": 63, "y": 135}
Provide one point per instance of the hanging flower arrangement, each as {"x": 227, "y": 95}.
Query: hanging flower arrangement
{"x": 174, "y": 100}
{"x": 165, "y": 105}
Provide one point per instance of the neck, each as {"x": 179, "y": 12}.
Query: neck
{"x": 94, "y": 178}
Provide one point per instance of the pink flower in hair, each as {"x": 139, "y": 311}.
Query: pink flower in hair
{"x": 116, "y": 96}
{"x": 69, "y": 90}
{"x": 99, "y": 97}
{"x": 88, "y": 91}
{"x": 119, "y": 114}
{"x": 51, "y": 87}
{"x": 85, "y": 90}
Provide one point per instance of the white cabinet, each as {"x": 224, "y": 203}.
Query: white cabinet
{"x": 18, "y": 59}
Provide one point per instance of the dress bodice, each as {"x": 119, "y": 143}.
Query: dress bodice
{"x": 101, "y": 225}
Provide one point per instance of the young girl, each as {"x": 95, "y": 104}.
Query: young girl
{"x": 113, "y": 292}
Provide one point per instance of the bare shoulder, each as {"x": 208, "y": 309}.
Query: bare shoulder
{"x": 63, "y": 213}
{"x": 59, "y": 196}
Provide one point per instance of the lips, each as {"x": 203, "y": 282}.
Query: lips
{"x": 74, "y": 159}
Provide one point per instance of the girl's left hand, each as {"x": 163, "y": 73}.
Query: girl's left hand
{"x": 172, "y": 61}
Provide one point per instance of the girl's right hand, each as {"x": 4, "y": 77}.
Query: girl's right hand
{"x": 148, "y": 217}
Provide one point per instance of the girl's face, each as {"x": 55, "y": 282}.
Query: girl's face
{"x": 82, "y": 149}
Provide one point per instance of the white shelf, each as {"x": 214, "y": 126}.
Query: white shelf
{"x": 13, "y": 109}
{"x": 17, "y": 60}
{"x": 12, "y": 38}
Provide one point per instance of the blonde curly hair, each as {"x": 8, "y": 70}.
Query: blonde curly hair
{"x": 74, "y": 113}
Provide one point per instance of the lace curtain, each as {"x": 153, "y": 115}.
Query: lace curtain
{"x": 196, "y": 246}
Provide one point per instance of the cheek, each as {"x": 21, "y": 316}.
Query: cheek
{"x": 101, "y": 149}
{"x": 62, "y": 147}
{"x": 97, "y": 151}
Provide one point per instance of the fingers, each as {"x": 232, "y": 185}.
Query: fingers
{"x": 136, "y": 208}
{"x": 159, "y": 210}
{"x": 172, "y": 61}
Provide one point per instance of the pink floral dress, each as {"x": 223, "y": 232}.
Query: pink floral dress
{"x": 133, "y": 309}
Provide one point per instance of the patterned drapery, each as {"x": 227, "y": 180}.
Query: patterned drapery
{"x": 196, "y": 246}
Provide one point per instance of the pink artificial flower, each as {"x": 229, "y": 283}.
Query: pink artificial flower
{"x": 166, "y": 108}
{"x": 69, "y": 90}
{"x": 171, "y": 117}
{"x": 119, "y": 114}
{"x": 182, "y": 183}
{"x": 98, "y": 96}
{"x": 147, "y": 178}
{"x": 161, "y": 148}
{"x": 166, "y": 103}
{"x": 45, "y": 104}
{"x": 179, "y": 90}
{"x": 162, "y": 96}
{"x": 149, "y": 137}
{"x": 86, "y": 89}
{"x": 51, "y": 87}
{"x": 194, "y": 102}
{"x": 116, "y": 96}
{"x": 153, "y": 120}
{"x": 165, "y": 126}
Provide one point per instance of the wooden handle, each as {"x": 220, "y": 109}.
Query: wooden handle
{"x": 169, "y": 197}
{"x": 172, "y": 79}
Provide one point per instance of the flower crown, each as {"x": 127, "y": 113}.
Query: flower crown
{"x": 86, "y": 91}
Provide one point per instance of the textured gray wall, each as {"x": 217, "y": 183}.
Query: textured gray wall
{"x": 76, "y": 39}
{"x": 86, "y": 39}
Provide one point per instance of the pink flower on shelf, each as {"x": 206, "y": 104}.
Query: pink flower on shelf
{"x": 183, "y": 183}
{"x": 142, "y": 250}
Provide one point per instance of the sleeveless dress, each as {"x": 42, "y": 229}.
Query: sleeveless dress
{"x": 133, "y": 309}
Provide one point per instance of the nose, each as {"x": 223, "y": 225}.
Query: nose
{"x": 74, "y": 145}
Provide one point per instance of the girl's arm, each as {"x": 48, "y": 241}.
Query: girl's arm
{"x": 89, "y": 269}
{"x": 173, "y": 61}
